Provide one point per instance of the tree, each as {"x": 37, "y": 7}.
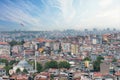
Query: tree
{"x": 60, "y": 48}
{"x": 51, "y": 64}
{"x": 12, "y": 62}
{"x": 7, "y": 68}
{"x": 39, "y": 67}
{"x": 25, "y": 71}
{"x": 48, "y": 50}
{"x": 52, "y": 77}
{"x": 30, "y": 78}
{"x": 114, "y": 60}
{"x": 96, "y": 64}
{"x": 4, "y": 61}
{"x": 13, "y": 42}
{"x": 64, "y": 64}
{"x": 18, "y": 70}
{"x": 87, "y": 59}
{"x": 99, "y": 58}
{"x": 7, "y": 65}
{"x": 22, "y": 42}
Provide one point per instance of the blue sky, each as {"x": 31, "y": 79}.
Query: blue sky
{"x": 59, "y": 14}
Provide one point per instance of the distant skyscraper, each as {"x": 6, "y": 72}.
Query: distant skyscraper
{"x": 114, "y": 29}
{"x": 94, "y": 29}
{"x": 108, "y": 29}
{"x": 86, "y": 30}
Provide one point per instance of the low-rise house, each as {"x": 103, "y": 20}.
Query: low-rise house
{"x": 97, "y": 76}
{"x": 108, "y": 58}
{"x": 4, "y": 48}
{"x": 117, "y": 66}
{"x": 6, "y": 56}
{"x": 66, "y": 46}
{"x": 77, "y": 76}
{"x": 74, "y": 48}
{"x": 105, "y": 68}
{"x": 42, "y": 76}
{"x": 108, "y": 77}
{"x": 117, "y": 75}
{"x": 53, "y": 71}
{"x": 29, "y": 53}
{"x": 2, "y": 65}
{"x": 19, "y": 77}
{"x": 27, "y": 45}
{"x": 93, "y": 57}
{"x": 17, "y": 49}
{"x": 2, "y": 71}
{"x": 56, "y": 45}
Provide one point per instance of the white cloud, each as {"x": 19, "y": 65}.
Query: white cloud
{"x": 14, "y": 13}
{"x": 67, "y": 9}
{"x": 105, "y": 3}
{"x": 62, "y": 14}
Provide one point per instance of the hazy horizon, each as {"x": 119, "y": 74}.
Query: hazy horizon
{"x": 47, "y": 15}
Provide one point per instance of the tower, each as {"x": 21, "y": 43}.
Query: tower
{"x": 35, "y": 57}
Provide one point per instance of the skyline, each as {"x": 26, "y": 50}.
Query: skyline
{"x": 59, "y": 14}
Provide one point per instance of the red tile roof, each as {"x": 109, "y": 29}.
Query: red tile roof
{"x": 19, "y": 77}
{"x": 3, "y": 43}
{"x": 117, "y": 73}
{"x": 43, "y": 40}
{"x": 97, "y": 74}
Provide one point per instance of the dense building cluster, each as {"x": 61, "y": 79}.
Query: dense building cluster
{"x": 90, "y": 56}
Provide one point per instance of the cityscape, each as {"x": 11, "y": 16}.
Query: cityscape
{"x": 59, "y": 40}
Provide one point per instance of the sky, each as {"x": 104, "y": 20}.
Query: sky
{"x": 59, "y": 14}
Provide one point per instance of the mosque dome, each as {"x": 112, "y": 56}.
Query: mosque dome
{"x": 23, "y": 63}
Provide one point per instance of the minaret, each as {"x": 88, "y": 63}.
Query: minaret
{"x": 36, "y": 58}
